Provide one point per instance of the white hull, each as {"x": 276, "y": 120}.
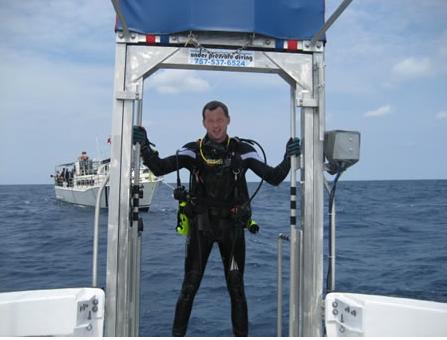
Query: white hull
{"x": 354, "y": 315}
{"x": 63, "y": 312}
{"x": 86, "y": 195}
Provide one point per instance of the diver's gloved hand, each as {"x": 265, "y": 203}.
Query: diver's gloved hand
{"x": 293, "y": 147}
{"x": 139, "y": 135}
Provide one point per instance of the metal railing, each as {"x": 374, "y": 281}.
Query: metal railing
{"x": 295, "y": 321}
{"x": 80, "y": 181}
{"x": 96, "y": 233}
{"x": 281, "y": 238}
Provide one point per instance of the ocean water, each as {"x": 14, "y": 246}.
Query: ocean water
{"x": 391, "y": 240}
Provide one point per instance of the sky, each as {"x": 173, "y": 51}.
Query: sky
{"x": 386, "y": 77}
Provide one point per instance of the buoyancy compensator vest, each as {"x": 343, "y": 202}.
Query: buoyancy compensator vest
{"x": 217, "y": 185}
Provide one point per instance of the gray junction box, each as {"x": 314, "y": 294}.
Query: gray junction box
{"x": 341, "y": 149}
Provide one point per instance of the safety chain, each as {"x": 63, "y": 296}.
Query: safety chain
{"x": 193, "y": 40}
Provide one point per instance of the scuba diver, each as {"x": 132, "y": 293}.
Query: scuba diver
{"x": 217, "y": 205}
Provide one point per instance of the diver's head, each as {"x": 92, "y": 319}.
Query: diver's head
{"x": 215, "y": 120}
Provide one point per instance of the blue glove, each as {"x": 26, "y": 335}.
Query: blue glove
{"x": 293, "y": 147}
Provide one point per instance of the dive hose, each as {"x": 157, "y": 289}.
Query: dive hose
{"x": 330, "y": 207}
{"x": 253, "y": 142}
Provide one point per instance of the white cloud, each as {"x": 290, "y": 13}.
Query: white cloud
{"x": 178, "y": 81}
{"x": 31, "y": 84}
{"x": 411, "y": 68}
{"x": 381, "y": 111}
{"x": 442, "y": 115}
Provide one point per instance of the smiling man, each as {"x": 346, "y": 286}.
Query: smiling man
{"x": 216, "y": 120}
{"x": 218, "y": 205}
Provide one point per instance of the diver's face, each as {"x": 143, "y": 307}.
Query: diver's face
{"x": 216, "y": 123}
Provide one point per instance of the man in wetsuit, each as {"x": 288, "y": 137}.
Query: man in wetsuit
{"x": 218, "y": 205}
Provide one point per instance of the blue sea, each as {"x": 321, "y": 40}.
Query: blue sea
{"x": 391, "y": 240}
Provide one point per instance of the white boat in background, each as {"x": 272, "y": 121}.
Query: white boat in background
{"x": 79, "y": 182}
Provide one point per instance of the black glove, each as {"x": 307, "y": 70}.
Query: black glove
{"x": 293, "y": 147}
{"x": 139, "y": 135}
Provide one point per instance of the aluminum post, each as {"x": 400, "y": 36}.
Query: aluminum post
{"x": 331, "y": 283}
{"x": 112, "y": 290}
{"x": 279, "y": 301}
{"x": 279, "y": 287}
{"x": 294, "y": 264}
{"x": 139, "y": 233}
{"x": 300, "y": 281}
{"x": 117, "y": 299}
{"x": 312, "y": 206}
{"x": 135, "y": 237}
{"x": 124, "y": 251}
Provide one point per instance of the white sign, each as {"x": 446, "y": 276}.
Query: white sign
{"x": 208, "y": 57}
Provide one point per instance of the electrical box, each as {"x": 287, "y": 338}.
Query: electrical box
{"x": 341, "y": 149}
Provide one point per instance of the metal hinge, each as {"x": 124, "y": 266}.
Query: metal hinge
{"x": 307, "y": 102}
{"x": 309, "y": 47}
{"x": 127, "y": 95}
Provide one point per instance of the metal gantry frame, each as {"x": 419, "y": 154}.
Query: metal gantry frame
{"x": 304, "y": 71}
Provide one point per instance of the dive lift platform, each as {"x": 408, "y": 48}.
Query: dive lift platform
{"x": 223, "y": 41}
{"x": 282, "y": 37}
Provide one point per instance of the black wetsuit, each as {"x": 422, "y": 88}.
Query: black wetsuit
{"x": 218, "y": 213}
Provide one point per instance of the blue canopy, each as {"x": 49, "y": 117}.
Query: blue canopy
{"x": 280, "y": 19}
